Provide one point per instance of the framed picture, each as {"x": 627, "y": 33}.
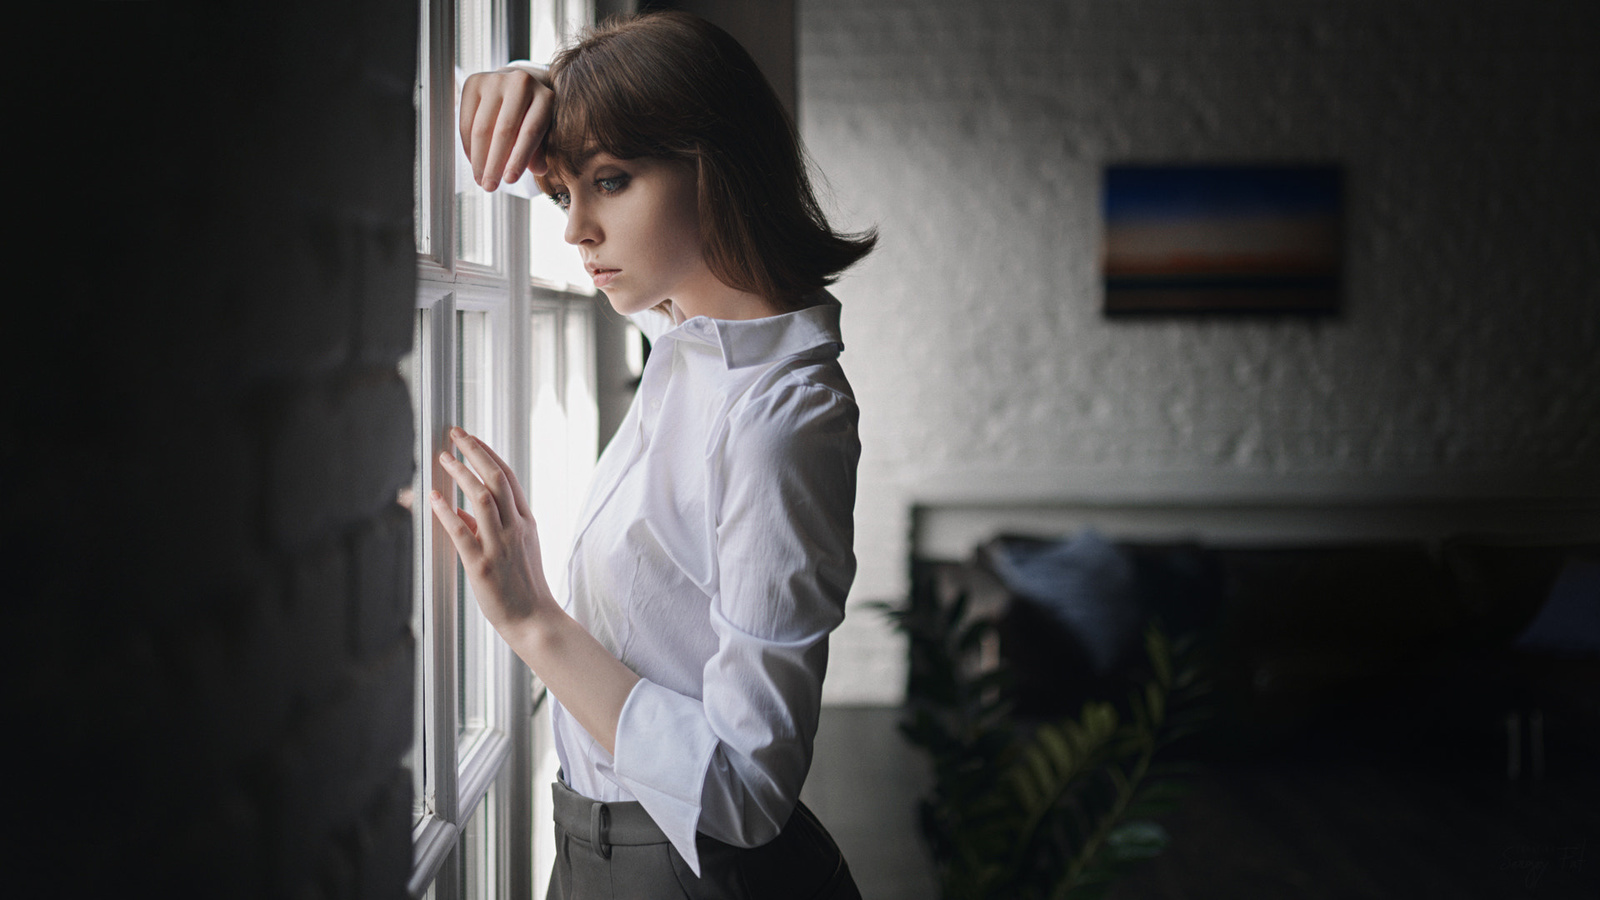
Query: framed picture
{"x": 1222, "y": 239}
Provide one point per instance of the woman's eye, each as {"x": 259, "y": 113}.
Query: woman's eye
{"x": 611, "y": 184}
{"x": 561, "y": 199}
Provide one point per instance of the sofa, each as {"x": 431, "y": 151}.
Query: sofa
{"x": 1482, "y": 650}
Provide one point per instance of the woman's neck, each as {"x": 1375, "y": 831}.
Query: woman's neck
{"x": 717, "y": 300}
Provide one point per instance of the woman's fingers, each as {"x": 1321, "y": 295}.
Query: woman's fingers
{"x": 515, "y": 117}
{"x": 455, "y": 526}
{"x": 480, "y": 494}
{"x": 481, "y": 138}
{"x": 471, "y": 96}
{"x": 504, "y": 117}
{"x": 479, "y": 106}
{"x": 528, "y": 153}
{"x": 499, "y": 546}
{"x": 517, "y": 496}
{"x": 497, "y": 480}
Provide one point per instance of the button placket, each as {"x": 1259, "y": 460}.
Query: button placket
{"x": 653, "y": 389}
{"x": 643, "y": 428}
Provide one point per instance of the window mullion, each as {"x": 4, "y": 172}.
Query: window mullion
{"x": 437, "y": 833}
{"x": 432, "y": 848}
{"x": 442, "y": 130}
{"x": 481, "y": 764}
{"x": 442, "y": 743}
{"x": 516, "y": 819}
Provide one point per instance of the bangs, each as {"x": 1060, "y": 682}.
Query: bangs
{"x": 609, "y": 103}
{"x": 575, "y": 136}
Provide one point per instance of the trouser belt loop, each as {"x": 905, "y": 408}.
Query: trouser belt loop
{"x": 600, "y": 829}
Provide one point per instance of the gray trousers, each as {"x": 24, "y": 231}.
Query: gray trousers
{"x": 615, "y": 850}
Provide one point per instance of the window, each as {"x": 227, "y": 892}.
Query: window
{"x": 504, "y": 346}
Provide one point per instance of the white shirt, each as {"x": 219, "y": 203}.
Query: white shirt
{"x": 712, "y": 557}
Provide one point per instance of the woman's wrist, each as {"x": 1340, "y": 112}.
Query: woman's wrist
{"x": 542, "y": 617}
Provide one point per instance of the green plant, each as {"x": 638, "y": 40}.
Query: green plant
{"x": 1055, "y": 809}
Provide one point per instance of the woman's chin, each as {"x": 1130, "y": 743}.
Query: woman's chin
{"x": 629, "y": 305}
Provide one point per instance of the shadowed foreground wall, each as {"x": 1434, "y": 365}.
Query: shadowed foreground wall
{"x": 1467, "y": 357}
{"x": 209, "y": 664}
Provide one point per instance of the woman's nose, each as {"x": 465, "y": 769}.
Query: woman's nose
{"x": 581, "y": 226}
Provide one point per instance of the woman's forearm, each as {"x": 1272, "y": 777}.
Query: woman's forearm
{"x": 592, "y": 684}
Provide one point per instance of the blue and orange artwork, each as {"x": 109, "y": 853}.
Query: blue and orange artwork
{"x": 1222, "y": 239}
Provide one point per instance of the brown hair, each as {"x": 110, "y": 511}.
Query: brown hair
{"x": 673, "y": 86}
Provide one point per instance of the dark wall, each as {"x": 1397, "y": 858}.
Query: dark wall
{"x": 210, "y": 667}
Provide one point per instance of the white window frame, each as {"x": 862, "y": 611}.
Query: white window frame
{"x": 512, "y": 754}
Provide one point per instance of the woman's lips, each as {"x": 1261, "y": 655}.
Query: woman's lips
{"x": 602, "y": 277}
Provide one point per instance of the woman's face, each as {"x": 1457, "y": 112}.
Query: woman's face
{"x": 637, "y": 224}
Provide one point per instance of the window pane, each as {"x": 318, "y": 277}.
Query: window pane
{"x": 554, "y": 23}
{"x": 475, "y": 210}
{"x": 547, "y": 435}
{"x": 554, "y": 262}
{"x": 544, "y": 30}
{"x": 475, "y": 405}
{"x": 480, "y": 851}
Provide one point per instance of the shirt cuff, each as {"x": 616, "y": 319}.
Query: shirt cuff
{"x": 664, "y": 747}
{"x": 534, "y": 69}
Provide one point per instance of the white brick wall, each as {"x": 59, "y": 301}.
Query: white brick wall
{"x": 973, "y": 135}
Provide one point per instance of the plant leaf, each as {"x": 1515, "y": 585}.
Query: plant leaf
{"x": 1136, "y": 840}
{"x": 1160, "y": 658}
{"x": 1057, "y": 745}
{"x": 1155, "y": 702}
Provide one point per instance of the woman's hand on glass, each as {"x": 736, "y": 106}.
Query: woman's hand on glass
{"x": 504, "y": 117}
{"x": 499, "y": 542}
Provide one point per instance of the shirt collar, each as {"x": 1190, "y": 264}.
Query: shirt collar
{"x": 749, "y": 342}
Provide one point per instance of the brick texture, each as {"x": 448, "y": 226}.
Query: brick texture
{"x": 211, "y": 670}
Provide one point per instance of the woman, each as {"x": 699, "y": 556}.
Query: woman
{"x": 713, "y": 554}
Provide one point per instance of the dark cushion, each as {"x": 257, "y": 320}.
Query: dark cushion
{"x": 1505, "y": 582}
{"x": 1568, "y": 624}
{"x": 1083, "y": 585}
{"x": 1180, "y": 584}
